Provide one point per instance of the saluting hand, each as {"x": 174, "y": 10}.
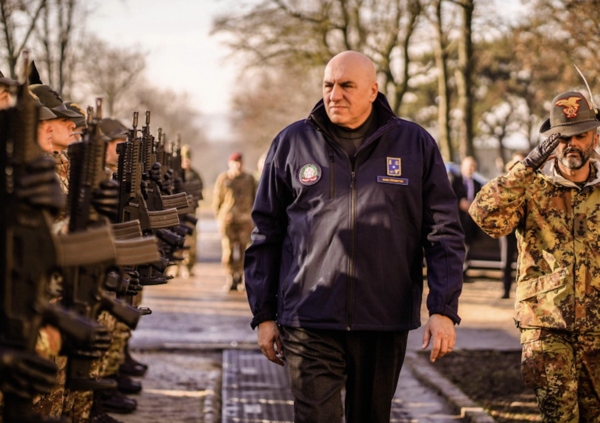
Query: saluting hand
{"x": 538, "y": 156}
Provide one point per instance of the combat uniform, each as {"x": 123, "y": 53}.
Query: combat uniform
{"x": 232, "y": 202}
{"x": 558, "y": 281}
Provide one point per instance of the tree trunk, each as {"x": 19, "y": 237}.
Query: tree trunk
{"x": 464, "y": 80}
{"x": 441, "y": 58}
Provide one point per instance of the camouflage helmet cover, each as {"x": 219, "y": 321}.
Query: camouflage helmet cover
{"x": 570, "y": 115}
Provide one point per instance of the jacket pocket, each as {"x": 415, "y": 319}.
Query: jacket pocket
{"x": 540, "y": 302}
{"x": 533, "y": 289}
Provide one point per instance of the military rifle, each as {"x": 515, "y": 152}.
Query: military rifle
{"x": 88, "y": 286}
{"x": 31, "y": 252}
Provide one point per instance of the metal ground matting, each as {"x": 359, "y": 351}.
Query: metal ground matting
{"x": 254, "y": 389}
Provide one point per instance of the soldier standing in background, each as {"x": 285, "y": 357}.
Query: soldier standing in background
{"x": 553, "y": 204}
{"x": 186, "y": 268}
{"x": 232, "y": 203}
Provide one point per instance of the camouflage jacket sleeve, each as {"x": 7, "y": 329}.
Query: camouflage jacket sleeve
{"x": 500, "y": 205}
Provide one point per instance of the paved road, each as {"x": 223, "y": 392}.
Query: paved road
{"x": 194, "y": 320}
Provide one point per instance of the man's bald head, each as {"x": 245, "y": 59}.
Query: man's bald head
{"x": 349, "y": 88}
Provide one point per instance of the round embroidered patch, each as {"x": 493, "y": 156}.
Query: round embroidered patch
{"x": 310, "y": 174}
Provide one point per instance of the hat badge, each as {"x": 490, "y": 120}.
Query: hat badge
{"x": 570, "y": 106}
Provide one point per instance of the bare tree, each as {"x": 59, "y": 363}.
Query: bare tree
{"x": 441, "y": 49}
{"x": 464, "y": 78}
{"x": 12, "y": 31}
{"x": 258, "y": 123}
{"x": 286, "y": 33}
{"x": 111, "y": 72}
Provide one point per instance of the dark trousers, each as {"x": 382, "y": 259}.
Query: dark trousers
{"x": 322, "y": 362}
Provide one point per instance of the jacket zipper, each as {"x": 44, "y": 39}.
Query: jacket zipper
{"x": 331, "y": 176}
{"x": 349, "y": 305}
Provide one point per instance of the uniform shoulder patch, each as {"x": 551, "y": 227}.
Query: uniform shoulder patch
{"x": 309, "y": 174}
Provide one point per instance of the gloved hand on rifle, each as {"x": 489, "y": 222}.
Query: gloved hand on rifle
{"x": 134, "y": 282}
{"x": 40, "y": 186}
{"x": 178, "y": 186}
{"x": 167, "y": 183}
{"x": 105, "y": 199}
{"x": 25, "y": 373}
{"x": 538, "y": 156}
{"x": 155, "y": 173}
{"x": 99, "y": 341}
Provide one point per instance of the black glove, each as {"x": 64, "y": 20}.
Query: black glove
{"x": 134, "y": 282}
{"x": 106, "y": 199}
{"x": 25, "y": 373}
{"x": 155, "y": 173}
{"x": 40, "y": 187}
{"x": 167, "y": 182}
{"x": 178, "y": 186}
{"x": 538, "y": 156}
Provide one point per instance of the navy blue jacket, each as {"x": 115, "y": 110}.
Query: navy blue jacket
{"x": 342, "y": 248}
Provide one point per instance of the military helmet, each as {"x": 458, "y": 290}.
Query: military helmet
{"x": 44, "y": 112}
{"x": 7, "y": 81}
{"x": 186, "y": 151}
{"x": 570, "y": 115}
{"x": 52, "y": 100}
{"x": 113, "y": 129}
{"x": 74, "y": 107}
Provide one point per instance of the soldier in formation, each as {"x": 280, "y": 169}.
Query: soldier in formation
{"x": 125, "y": 222}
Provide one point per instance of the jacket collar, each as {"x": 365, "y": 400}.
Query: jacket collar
{"x": 549, "y": 172}
{"x": 386, "y": 119}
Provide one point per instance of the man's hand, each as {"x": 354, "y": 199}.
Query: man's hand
{"x": 268, "y": 336}
{"x": 538, "y": 156}
{"x": 464, "y": 205}
{"x": 440, "y": 330}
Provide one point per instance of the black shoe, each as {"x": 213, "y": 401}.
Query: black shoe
{"x": 116, "y": 402}
{"x": 506, "y": 295}
{"x": 103, "y": 418}
{"x": 128, "y": 385}
{"x": 131, "y": 367}
{"x": 237, "y": 280}
{"x": 98, "y": 414}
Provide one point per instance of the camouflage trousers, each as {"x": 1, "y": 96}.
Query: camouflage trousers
{"x": 563, "y": 369}
{"x": 235, "y": 240}
{"x": 78, "y": 404}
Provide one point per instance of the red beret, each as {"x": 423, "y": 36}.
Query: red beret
{"x": 235, "y": 157}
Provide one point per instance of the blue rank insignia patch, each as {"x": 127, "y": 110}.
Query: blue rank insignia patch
{"x": 393, "y": 166}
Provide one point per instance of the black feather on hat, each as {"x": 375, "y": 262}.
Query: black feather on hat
{"x": 34, "y": 75}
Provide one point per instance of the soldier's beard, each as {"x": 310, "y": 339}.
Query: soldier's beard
{"x": 575, "y": 163}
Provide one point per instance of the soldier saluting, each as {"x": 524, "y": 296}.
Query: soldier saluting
{"x": 552, "y": 198}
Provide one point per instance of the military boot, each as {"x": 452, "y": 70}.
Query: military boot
{"x": 114, "y": 401}
{"x": 132, "y": 367}
{"x": 127, "y": 385}
{"x": 98, "y": 415}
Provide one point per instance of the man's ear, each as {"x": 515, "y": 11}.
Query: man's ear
{"x": 374, "y": 91}
{"x": 596, "y": 138}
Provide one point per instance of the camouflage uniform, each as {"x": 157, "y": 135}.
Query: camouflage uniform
{"x": 232, "y": 202}
{"x": 52, "y": 403}
{"x": 558, "y": 282}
